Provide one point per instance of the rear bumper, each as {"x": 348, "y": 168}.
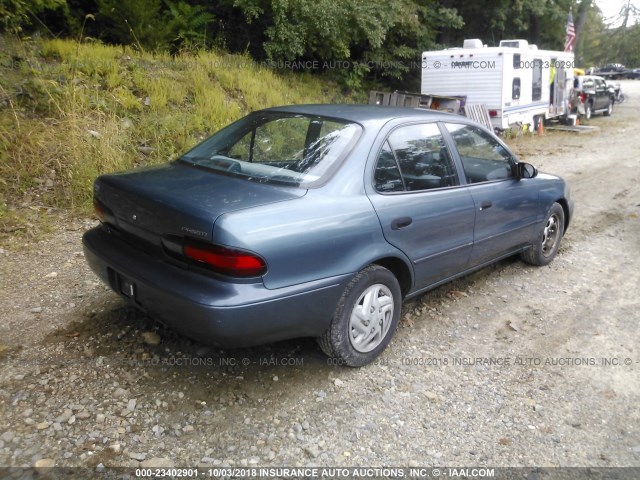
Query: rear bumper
{"x": 208, "y": 309}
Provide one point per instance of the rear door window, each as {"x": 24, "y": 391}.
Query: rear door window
{"x": 414, "y": 158}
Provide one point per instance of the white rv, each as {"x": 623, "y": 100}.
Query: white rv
{"x": 517, "y": 82}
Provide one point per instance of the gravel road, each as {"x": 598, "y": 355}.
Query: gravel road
{"x": 512, "y": 366}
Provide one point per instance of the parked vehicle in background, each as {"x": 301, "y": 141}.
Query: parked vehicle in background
{"x": 612, "y": 71}
{"x": 592, "y": 94}
{"x": 633, "y": 74}
{"x": 317, "y": 221}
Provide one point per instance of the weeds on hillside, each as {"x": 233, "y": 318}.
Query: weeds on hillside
{"x": 71, "y": 111}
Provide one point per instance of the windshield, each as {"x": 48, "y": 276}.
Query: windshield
{"x": 272, "y": 147}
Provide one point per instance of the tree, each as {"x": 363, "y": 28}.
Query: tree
{"x": 136, "y": 22}
{"x": 540, "y": 22}
{"x": 625, "y": 44}
{"x": 153, "y": 24}
{"x": 376, "y": 39}
{"x": 589, "y": 38}
{"x": 413, "y": 30}
{"x": 16, "y": 14}
{"x": 188, "y": 23}
{"x": 599, "y": 44}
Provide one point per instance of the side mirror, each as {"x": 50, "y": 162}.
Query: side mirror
{"x": 526, "y": 170}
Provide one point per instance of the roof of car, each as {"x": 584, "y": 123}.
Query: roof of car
{"x": 362, "y": 113}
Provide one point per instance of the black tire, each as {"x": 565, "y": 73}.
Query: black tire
{"x": 341, "y": 340}
{"x": 545, "y": 246}
{"x": 587, "y": 111}
{"x": 609, "y": 109}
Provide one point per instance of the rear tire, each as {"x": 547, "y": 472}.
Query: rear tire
{"x": 587, "y": 111}
{"x": 609, "y": 109}
{"x": 545, "y": 246}
{"x": 365, "y": 318}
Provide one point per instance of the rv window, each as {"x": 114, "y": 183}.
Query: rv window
{"x": 515, "y": 89}
{"x": 516, "y": 61}
{"x": 536, "y": 93}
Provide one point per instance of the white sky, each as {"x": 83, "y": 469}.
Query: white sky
{"x": 611, "y": 8}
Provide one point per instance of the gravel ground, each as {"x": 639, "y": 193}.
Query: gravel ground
{"x": 512, "y": 366}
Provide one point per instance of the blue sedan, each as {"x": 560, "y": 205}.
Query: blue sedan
{"x": 318, "y": 221}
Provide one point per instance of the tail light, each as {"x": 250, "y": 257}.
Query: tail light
{"x": 227, "y": 261}
{"x": 493, "y": 113}
{"x": 583, "y": 97}
{"x": 103, "y": 213}
{"x": 99, "y": 210}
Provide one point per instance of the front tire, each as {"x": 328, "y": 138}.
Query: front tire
{"x": 547, "y": 241}
{"x": 609, "y": 109}
{"x": 365, "y": 318}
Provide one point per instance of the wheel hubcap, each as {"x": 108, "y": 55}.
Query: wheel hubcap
{"x": 371, "y": 318}
{"x": 550, "y": 235}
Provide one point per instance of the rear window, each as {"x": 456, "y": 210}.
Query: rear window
{"x": 271, "y": 147}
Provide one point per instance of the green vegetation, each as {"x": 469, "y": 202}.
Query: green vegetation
{"x": 15, "y": 14}
{"x": 72, "y": 111}
{"x": 380, "y": 40}
{"x": 600, "y": 44}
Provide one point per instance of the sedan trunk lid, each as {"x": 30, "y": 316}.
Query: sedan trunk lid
{"x": 178, "y": 199}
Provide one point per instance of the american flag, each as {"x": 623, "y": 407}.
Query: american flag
{"x": 571, "y": 35}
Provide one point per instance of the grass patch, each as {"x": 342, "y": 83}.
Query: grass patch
{"x": 71, "y": 111}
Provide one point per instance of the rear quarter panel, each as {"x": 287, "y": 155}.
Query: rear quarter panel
{"x": 332, "y": 230}
{"x": 310, "y": 238}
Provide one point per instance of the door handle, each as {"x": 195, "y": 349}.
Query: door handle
{"x": 402, "y": 222}
{"x": 486, "y": 204}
